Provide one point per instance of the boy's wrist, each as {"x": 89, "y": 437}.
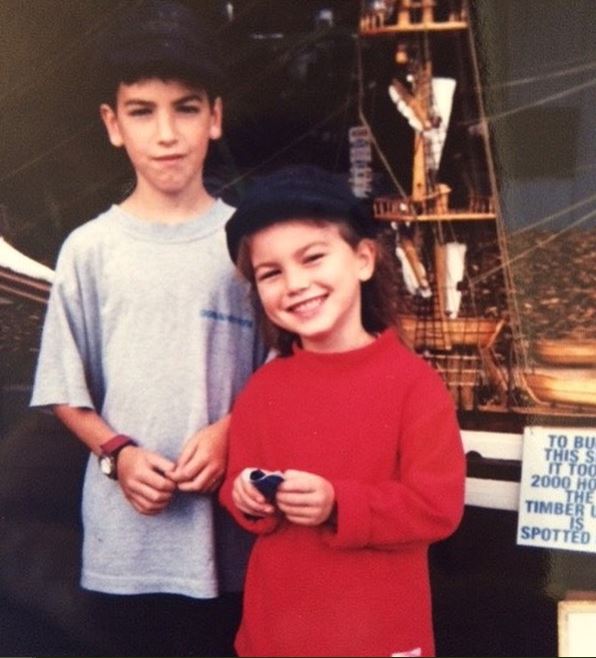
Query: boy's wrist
{"x": 110, "y": 449}
{"x": 116, "y": 443}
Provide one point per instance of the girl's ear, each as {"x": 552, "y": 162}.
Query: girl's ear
{"x": 215, "y": 129}
{"x": 366, "y": 253}
{"x": 110, "y": 120}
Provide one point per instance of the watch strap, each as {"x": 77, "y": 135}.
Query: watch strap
{"x": 113, "y": 446}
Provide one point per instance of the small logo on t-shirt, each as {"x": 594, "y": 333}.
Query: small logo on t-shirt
{"x": 225, "y": 317}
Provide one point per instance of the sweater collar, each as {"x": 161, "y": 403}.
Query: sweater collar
{"x": 349, "y": 358}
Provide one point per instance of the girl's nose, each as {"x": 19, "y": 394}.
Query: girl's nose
{"x": 296, "y": 281}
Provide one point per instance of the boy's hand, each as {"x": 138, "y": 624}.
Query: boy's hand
{"x": 141, "y": 477}
{"x": 202, "y": 463}
{"x": 247, "y": 497}
{"x": 305, "y": 498}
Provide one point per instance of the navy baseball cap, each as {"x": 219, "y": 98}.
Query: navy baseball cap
{"x": 298, "y": 192}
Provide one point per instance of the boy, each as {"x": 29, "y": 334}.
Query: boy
{"x": 148, "y": 338}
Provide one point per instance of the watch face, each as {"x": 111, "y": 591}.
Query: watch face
{"x": 107, "y": 465}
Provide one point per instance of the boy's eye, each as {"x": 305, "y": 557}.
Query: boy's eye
{"x": 139, "y": 111}
{"x": 189, "y": 109}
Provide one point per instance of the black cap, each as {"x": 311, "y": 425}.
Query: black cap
{"x": 158, "y": 38}
{"x": 298, "y": 192}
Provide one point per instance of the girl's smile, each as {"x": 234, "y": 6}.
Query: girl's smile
{"x": 307, "y": 307}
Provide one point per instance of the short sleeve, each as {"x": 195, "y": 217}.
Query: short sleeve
{"x": 63, "y": 369}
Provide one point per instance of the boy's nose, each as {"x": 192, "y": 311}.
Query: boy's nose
{"x": 166, "y": 131}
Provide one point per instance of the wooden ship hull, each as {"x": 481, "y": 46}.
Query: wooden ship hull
{"x": 563, "y": 387}
{"x": 577, "y": 352}
{"x": 447, "y": 334}
{"x": 563, "y": 374}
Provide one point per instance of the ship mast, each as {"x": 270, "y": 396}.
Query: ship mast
{"x": 437, "y": 226}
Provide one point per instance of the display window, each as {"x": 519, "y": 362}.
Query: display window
{"x": 469, "y": 126}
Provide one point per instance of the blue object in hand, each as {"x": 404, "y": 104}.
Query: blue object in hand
{"x": 266, "y": 483}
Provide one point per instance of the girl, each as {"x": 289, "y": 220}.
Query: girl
{"x": 362, "y": 431}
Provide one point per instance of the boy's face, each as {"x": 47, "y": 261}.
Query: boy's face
{"x": 165, "y": 127}
{"x": 308, "y": 279}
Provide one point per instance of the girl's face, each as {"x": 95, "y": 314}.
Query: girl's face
{"x": 308, "y": 279}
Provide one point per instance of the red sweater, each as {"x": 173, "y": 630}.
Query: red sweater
{"x": 379, "y": 424}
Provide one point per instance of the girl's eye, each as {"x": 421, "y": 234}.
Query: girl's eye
{"x": 267, "y": 274}
{"x": 312, "y": 258}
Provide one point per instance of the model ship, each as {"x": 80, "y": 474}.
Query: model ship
{"x": 460, "y": 309}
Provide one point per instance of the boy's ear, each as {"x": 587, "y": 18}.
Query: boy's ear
{"x": 366, "y": 253}
{"x": 110, "y": 121}
{"x": 215, "y": 130}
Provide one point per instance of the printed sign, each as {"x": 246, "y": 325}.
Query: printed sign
{"x": 557, "y": 507}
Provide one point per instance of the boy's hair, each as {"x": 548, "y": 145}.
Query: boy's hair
{"x": 160, "y": 39}
{"x": 309, "y": 193}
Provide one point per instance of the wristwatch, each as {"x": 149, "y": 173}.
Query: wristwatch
{"x": 109, "y": 454}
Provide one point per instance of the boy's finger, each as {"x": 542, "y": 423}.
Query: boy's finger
{"x": 205, "y": 480}
{"x": 186, "y": 455}
{"x": 186, "y": 472}
{"x": 160, "y": 463}
{"x": 161, "y": 482}
{"x": 148, "y": 497}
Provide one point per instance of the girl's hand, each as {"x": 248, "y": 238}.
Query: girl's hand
{"x": 248, "y": 499}
{"x": 305, "y": 498}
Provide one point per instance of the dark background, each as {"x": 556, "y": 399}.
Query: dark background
{"x": 288, "y": 85}
{"x": 292, "y": 98}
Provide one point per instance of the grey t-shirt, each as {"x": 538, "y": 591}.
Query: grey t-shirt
{"x": 149, "y": 325}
